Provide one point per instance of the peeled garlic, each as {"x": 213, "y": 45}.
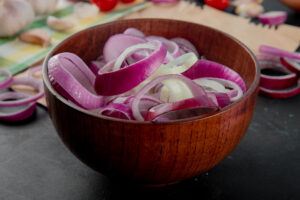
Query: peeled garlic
{"x": 14, "y": 16}
{"x": 85, "y": 10}
{"x": 59, "y": 24}
{"x": 36, "y": 36}
{"x": 42, "y": 7}
{"x": 249, "y": 10}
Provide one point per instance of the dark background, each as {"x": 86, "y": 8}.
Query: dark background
{"x": 34, "y": 164}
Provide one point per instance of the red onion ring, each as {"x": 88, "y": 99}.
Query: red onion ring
{"x": 195, "y": 89}
{"x": 206, "y": 68}
{"x": 185, "y": 45}
{"x": 281, "y": 94}
{"x": 273, "y": 17}
{"x": 278, "y": 52}
{"x": 134, "y": 31}
{"x": 72, "y": 75}
{"x": 120, "y": 81}
{"x": 35, "y": 83}
{"x": 7, "y": 81}
{"x": 116, "y": 44}
{"x": 118, "y": 110}
{"x": 276, "y": 82}
{"x": 292, "y": 65}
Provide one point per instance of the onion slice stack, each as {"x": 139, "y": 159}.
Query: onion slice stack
{"x": 287, "y": 63}
{"x": 17, "y": 106}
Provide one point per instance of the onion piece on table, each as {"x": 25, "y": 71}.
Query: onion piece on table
{"x": 281, "y": 94}
{"x": 278, "y": 52}
{"x": 275, "y": 82}
{"x": 293, "y": 65}
{"x": 273, "y": 17}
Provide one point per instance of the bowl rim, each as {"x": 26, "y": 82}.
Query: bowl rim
{"x": 249, "y": 91}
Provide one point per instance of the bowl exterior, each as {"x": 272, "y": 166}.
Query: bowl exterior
{"x": 153, "y": 153}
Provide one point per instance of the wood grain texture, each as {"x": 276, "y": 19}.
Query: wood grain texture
{"x": 285, "y": 37}
{"x": 145, "y": 152}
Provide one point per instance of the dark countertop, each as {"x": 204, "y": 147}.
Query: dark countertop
{"x": 34, "y": 164}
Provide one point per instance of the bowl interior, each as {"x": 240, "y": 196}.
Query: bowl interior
{"x": 213, "y": 44}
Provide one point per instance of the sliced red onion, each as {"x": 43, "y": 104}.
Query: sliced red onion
{"x": 276, "y": 82}
{"x": 21, "y": 114}
{"x": 74, "y": 77}
{"x": 281, "y": 94}
{"x": 196, "y": 90}
{"x": 35, "y": 83}
{"x": 118, "y": 110}
{"x": 120, "y": 81}
{"x": 172, "y": 47}
{"x": 293, "y": 65}
{"x": 185, "y": 45}
{"x": 273, "y": 17}
{"x": 134, "y": 31}
{"x": 210, "y": 69}
{"x": 278, "y": 52}
{"x": 116, "y": 44}
{"x": 224, "y": 99}
{"x": 7, "y": 80}
{"x": 195, "y": 102}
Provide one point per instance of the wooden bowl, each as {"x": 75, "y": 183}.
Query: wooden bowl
{"x": 152, "y": 153}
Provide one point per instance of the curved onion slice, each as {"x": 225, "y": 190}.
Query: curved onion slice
{"x": 134, "y": 31}
{"x": 164, "y": 1}
{"x": 278, "y": 52}
{"x": 75, "y": 78}
{"x": 293, "y": 65}
{"x": 195, "y": 102}
{"x": 19, "y": 115}
{"x": 281, "y": 94}
{"x": 273, "y": 17}
{"x": 276, "y": 82}
{"x": 234, "y": 91}
{"x": 35, "y": 83}
{"x": 7, "y": 80}
{"x": 195, "y": 89}
{"x": 206, "y": 68}
{"x": 22, "y": 112}
{"x": 120, "y": 81}
{"x": 185, "y": 45}
{"x": 172, "y": 47}
{"x": 118, "y": 110}
{"x": 116, "y": 44}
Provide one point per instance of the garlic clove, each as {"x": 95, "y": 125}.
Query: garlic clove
{"x": 15, "y": 15}
{"x": 85, "y": 10}
{"x": 42, "y": 7}
{"x": 36, "y": 36}
{"x": 249, "y": 10}
{"x": 59, "y": 24}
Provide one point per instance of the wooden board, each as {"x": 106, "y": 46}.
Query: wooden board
{"x": 285, "y": 36}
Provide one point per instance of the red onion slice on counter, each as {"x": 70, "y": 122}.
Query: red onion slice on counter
{"x": 18, "y": 113}
{"x": 276, "y": 82}
{"x": 293, "y": 65}
{"x": 278, "y": 52}
{"x": 273, "y": 17}
{"x": 206, "y": 68}
{"x": 35, "y": 83}
{"x": 122, "y": 80}
{"x": 75, "y": 78}
{"x": 281, "y": 94}
{"x": 7, "y": 79}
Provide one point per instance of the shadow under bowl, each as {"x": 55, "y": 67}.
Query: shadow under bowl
{"x": 155, "y": 153}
